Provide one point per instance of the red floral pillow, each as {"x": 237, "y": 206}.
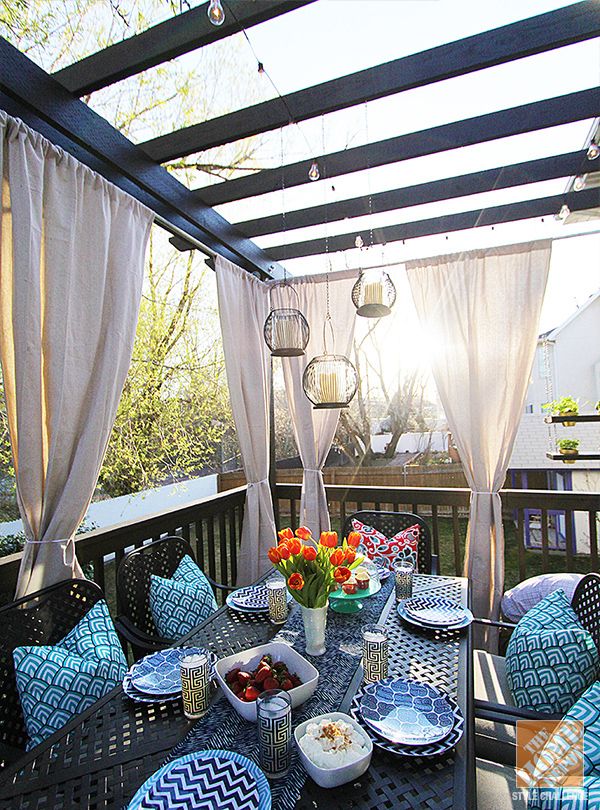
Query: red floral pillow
{"x": 387, "y": 551}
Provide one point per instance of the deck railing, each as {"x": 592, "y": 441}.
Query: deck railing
{"x": 213, "y": 527}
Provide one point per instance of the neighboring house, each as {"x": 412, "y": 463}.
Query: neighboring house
{"x": 567, "y": 363}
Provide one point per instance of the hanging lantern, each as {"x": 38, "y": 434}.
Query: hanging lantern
{"x": 286, "y": 330}
{"x": 330, "y": 380}
{"x": 373, "y": 294}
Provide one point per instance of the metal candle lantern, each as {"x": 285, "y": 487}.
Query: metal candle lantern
{"x": 286, "y": 330}
{"x": 330, "y": 381}
{"x": 373, "y": 294}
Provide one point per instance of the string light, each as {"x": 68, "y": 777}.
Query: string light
{"x": 579, "y": 182}
{"x": 563, "y": 213}
{"x": 313, "y": 172}
{"x": 215, "y": 12}
{"x": 593, "y": 151}
{"x": 261, "y": 68}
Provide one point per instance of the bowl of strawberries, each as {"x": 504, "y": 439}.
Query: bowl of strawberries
{"x": 245, "y": 675}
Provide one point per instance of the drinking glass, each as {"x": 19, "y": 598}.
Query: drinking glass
{"x": 375, "y": 653}
{"x": 403, "y": 573}
{"x": 278, "y": 608}
{"x": 274, "y": 722}
{"x": 195, "y": 685}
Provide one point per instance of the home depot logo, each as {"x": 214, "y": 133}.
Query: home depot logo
{"x": 549, "y": 753}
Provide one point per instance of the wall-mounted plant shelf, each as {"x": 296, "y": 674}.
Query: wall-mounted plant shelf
{"x": 584, "y": 417}
{"x": 578, "y": 457}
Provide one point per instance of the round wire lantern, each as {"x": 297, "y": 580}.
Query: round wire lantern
{"x": 373, "y": 294}
{"x": 330, "y": 381}
{"x": 286, "y": 331}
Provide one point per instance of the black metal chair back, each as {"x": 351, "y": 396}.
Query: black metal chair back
{"x": 586, "y": 604}
{"x": 44, "y": 617}
{"x": 390, "y": 523}
{"x": 161, "y": 557}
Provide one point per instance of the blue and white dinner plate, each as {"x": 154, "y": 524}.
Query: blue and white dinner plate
{"x": 248, "y": 607}
{"x": 160, "y": 672}
{"x": 205, "y": 780}
{"x": 432, "y": 749}
{"x": 467, "y": 619}
{"x": 254, "y": 596}
{"x": 142, "y": 697}
{"x": 406, "y": 712}
{"x": 434, "y": 610}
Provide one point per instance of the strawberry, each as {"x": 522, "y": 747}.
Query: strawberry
{"x": 251, "y": 693}
{"x": 262, "y": 674}
{"x": 270, "y": 683}
{"x": 244, "y": 677}
{"x": 232, "y": 676}
{"x": 286, "y": 684}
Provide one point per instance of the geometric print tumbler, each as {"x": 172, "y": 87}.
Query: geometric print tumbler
{"x": 375, "y": 653}
{"x": 195, "y": 685}
{"x": 274, "y": 721}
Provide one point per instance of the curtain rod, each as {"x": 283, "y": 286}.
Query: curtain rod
{"x": 175, "y": 231}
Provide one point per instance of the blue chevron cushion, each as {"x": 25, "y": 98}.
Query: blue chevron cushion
{"x": 551, "y": 659}
{"x": 556, "y": 754}
{"x": 180, "y": 604}
{"x": 56, "y": 683}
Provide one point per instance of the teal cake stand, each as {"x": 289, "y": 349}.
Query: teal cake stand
{"x": 352, "y": 602}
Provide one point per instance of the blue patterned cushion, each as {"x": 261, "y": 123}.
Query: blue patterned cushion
{"x": 56, "y": 683}
{"x": 180, "y": 604}
{"x": 551, "y": 659}
{"x": 587, "y": 711}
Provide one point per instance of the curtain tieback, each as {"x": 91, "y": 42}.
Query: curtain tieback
{"x": 256, "y": 483}
{"x": 308, "y": 469}
{"x": 43, "y": 542}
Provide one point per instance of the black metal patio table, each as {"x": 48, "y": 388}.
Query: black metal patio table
{"x": 101, "y": 757}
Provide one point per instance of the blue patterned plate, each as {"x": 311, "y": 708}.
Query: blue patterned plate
{"x": 434, "y": 610}
{"x": 248, "y": 607}
{"x": 160, "y": 673}
{"x": 142, "y": 697}
{"x": 433, "y": 749}
{"x": 255, "y": 596}
{"x": 406, "y": 712}
{"x": 205, "y": 780}
{"x": 467, "y": 619}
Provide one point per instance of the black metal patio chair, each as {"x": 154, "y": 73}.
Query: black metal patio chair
{"x": 390, "y": 523}
{"x": 44, "y": 617}
{"x": 496, "y": 715}
{"x": 134, "y": 622}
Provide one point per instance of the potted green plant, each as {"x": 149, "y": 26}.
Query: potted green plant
{"x": 565, "y": 406}
{"x": 568, "y": 447}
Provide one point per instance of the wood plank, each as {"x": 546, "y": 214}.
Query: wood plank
{"x": 521, "y": 546}
{"x": 480, "y": 129}
{"x": 545, "y": 545}
{"x": 593, "y": 525}
{"x": 167, "y": 40}
{"x": 579, "y": 456}
{"x": 456, "y": 541}
{"x": 28, "y": 92}
{"x": 583, "y": 417}
{"x": 496, "y": 215}
{"x": 570, "y": 538}
{"x": 435, "y": 530}
{"x": 532, "y": 171}
{"x": 514, "y": 41}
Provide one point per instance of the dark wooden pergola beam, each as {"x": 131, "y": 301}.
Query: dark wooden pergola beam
{"x": 544, "y": 32}
{"x": 492, "y": 126}
{"x": 532, "y": 171}
{"x": 165, "y": 41}
{"x": 43, "y": 103}
{"x": 500, "y": 214}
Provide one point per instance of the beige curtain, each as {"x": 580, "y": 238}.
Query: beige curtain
{"x": 481, "y": 311}
{"x": 243, "y": 311}
{"x": 314, "y": 429}
{"x": 71, "y": 269}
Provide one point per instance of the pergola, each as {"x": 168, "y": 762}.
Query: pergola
{"x": 51, "y": 104}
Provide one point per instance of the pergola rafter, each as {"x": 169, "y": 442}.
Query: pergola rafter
{"x": 532, "y": 36}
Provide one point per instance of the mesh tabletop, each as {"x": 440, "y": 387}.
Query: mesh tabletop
{"x": 102, "y": 757}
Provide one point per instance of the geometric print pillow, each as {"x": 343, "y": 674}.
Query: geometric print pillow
{"x": 551, "y": 659}
{"x": 56, "y": 683}
{"x": 180, "y": 604}
{"x": 387, "y": 551}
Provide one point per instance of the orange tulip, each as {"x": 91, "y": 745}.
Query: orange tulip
{"x": 284, "y": 551}
{"x": 350, "y": 555}
{"x": 296, "y": 582}
{"x": 274, "y": 555}
{"x": 303, "y": 533}
{"x": 354, "y": 539}
{"x": 337, "y": 557}
{"x": 328, "y": 539}
{"x": 294, "y": 545}
{"x": 310, "y": 553}
{"x": 341, "y": 574}
{"x": 285, "y": 534}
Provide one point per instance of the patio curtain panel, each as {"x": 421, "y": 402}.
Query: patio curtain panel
{"x": 71, "y": 269}
{"x": 243, "y": 309}
{"x": 481, "y": 311}
{"x": 314, "y": 429}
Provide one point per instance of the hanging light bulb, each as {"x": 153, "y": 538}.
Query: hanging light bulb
{"x": 579, "y": 182}
{"x": 215, "y": 12}
{"x": 373, "y": 294}
{"x": 261, "y": 68}
{"x": 563, "y": 213}
{"x": 313, "y": 172}
{"x": 593, "y": 151}
{"x": 358, "y": 242}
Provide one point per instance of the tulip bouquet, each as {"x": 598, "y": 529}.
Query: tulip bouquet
{"x": 314, "y": 569}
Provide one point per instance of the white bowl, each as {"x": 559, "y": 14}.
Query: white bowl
{"x": 248, "y": 660}
{"x": 334, "y": 777}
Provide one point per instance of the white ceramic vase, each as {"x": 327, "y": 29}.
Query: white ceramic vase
{"x": 315, "y": 620}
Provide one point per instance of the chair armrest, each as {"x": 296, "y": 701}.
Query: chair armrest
{"x": 435, "y": 564}
{"x": 492, "y": 623}
{"x": 137, "y": 638}
{"x": 501, "y": 713}
{"x": 218, "y": 585}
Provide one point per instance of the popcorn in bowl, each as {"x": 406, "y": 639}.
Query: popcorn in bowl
{"x": 332, "y": 743}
